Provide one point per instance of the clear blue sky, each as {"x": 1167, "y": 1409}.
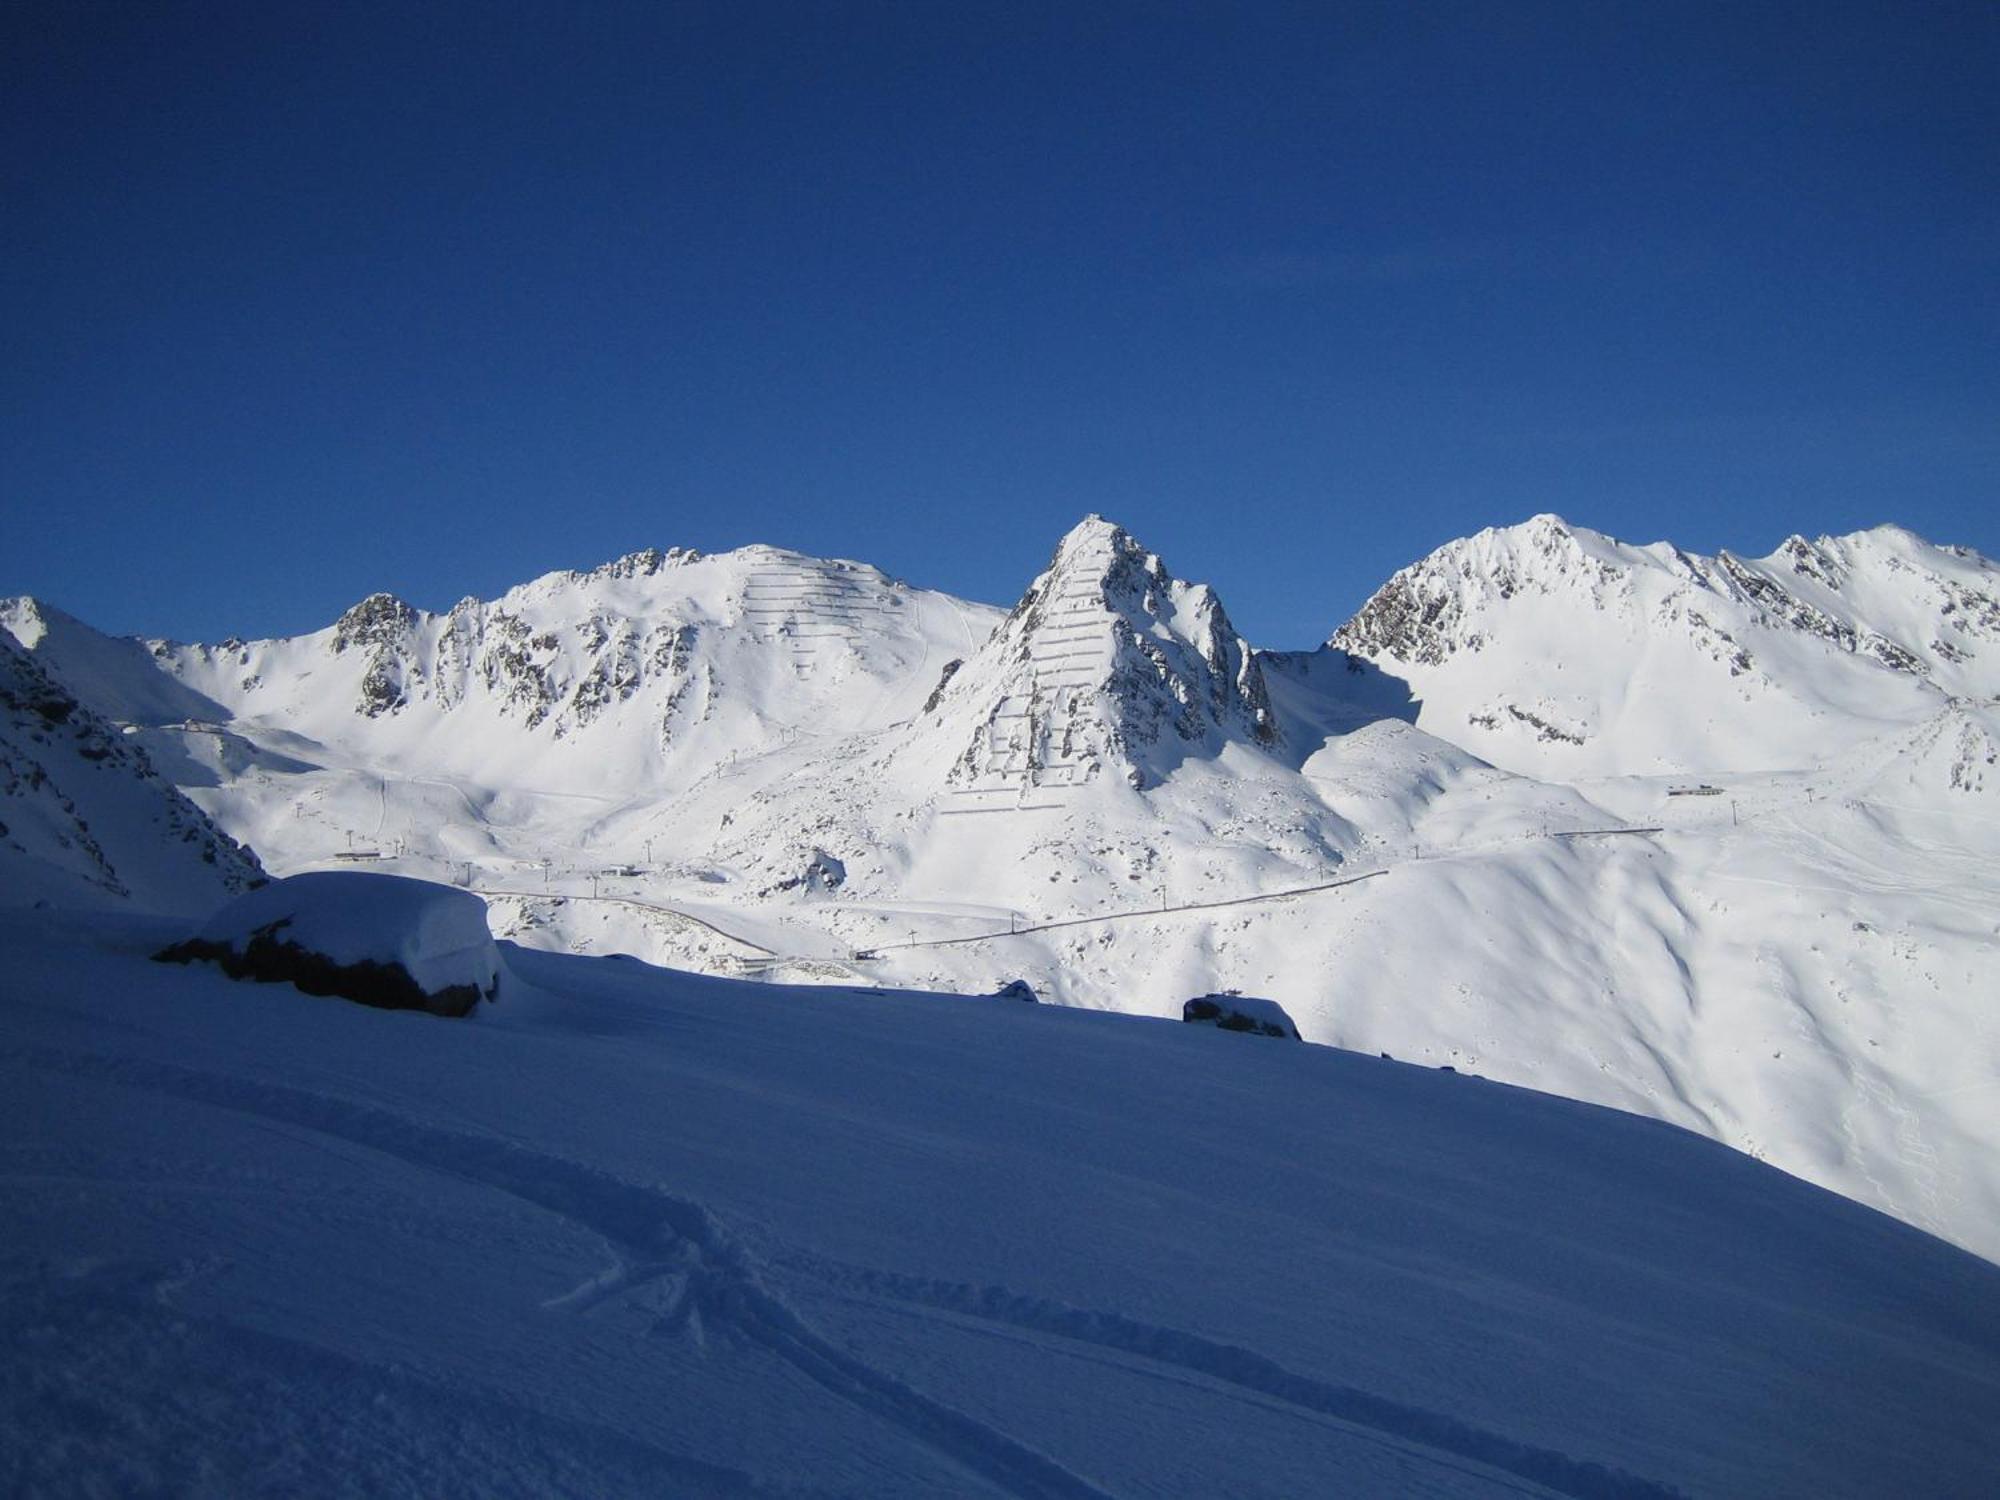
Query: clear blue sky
{"x": 303, "y": 301}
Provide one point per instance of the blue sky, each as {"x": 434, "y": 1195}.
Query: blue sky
{"x": 303, "y": 301}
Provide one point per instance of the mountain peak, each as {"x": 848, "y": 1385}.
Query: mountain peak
{"x": 1547, "y": 643}
{"x": 1108, "y": 661}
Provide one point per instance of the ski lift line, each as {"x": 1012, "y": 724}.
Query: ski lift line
{"x": 963, "y": 812}
{"x": 1591, "y": 833}
{"x": 1125, "y": 916}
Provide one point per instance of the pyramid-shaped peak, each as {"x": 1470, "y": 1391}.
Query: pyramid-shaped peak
{"x": 1094, "y": 547}
{"x": 1092, "y": 532}
{"x": 1107, "y": 664}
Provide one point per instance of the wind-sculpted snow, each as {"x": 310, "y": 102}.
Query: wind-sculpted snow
{"x": 656, "y": 1233}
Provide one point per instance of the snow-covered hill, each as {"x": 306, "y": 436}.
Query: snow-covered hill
{"x": 1556, "y": 651}
{"x": 84, "y": 818}
{"x": 630, "y": 1233}
{"x": 1755, "y": 899}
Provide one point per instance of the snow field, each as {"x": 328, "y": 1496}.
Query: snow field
{"x": 663, "y": 1233}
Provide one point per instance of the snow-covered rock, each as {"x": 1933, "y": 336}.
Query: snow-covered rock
{"x": 383, "y": 940}
{"x": 1227, "y": 1012}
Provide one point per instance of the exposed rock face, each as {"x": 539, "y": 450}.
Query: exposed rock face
{"x": 1108, "y": 664}
{"x": 84, "y": 814}
{"x": 384, "y": 627}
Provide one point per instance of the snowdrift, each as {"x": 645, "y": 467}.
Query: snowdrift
{"x": 382, "y": 940}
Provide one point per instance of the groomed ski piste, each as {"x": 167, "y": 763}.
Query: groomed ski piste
{"x": 625, "y": 1231}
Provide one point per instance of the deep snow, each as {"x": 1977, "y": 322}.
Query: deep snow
{"x": 434, "y": 933}
{"x": 639, "y": 1233}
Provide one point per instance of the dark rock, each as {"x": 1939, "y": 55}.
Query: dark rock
{"x": 1240, "y": 1013}
{"x": 270, "y": 959}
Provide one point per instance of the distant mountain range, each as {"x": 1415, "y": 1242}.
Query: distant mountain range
{"x": 1712, "y": 839}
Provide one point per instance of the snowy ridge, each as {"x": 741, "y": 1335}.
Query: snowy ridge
{"x": 1549, "y": 647}
{"x": 84, "y": 817}
{"x": 640, "y": 674}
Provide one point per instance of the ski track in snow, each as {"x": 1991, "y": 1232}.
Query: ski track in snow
{"x": 652, "y": 1233}
{"x": 1434, "y": 1435}
{"x": 716, "y": 1285}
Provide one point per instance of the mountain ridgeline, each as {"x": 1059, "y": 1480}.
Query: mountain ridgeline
{"x": 1711, "y": 839}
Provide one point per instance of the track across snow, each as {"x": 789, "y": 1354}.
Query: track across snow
{"x": 637, "y": 1232}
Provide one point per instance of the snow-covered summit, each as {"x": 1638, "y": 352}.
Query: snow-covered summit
{"x": 1108, "y": 664}
{"x": 1548, "y": 645}
{"x": 643, "y": 673}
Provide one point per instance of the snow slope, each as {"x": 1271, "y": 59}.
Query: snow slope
{"x": 1106, "y": 794}
{"x": 637, "y": 1233}
{"x": 84, "y": 818}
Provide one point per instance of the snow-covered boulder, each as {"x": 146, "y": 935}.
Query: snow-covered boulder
{"x": 822, "y": 872}
{"x": 383, "y": 940}
{"x": 1240, "y": 1013}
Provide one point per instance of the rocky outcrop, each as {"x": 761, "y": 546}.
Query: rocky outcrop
{"x": 1232, "y": 1012}
{"x": 383, "y": 627}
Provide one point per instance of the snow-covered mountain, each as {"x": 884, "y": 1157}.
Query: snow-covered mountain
{"x": 1709, "y": 840}
{"x": 1109, "y": 665}
{"x": 85, "y": 820}
{"x": 1554, "y": 650}
{"x": 635, "y": 676}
